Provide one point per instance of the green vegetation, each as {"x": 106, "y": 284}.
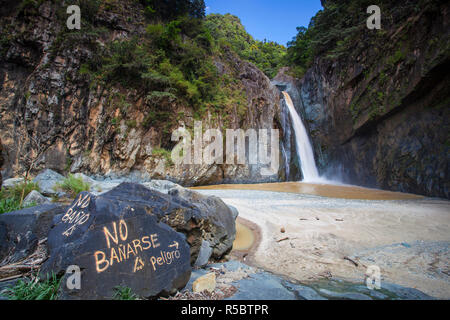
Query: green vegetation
{"x": 398, "y": 56}
{"x": 227, "y": 30}
{"x": 34, "y": 289}
{"x": 16, "y": 191}
{"x": 10, "y": 199}
{"x": 73, "y": 185}
{"x": 124, "y": 293}
{"x": 166, "y": 154}
{"x": 174, "y": 64}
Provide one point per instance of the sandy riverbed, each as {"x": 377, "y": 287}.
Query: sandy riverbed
{"x": 324, "y": 190}
{"x": 408, "y": 239}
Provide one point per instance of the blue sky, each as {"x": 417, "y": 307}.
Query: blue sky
{"x": 270, "y": 19}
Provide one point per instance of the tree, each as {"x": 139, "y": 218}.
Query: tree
{"x": 1, "y": 164}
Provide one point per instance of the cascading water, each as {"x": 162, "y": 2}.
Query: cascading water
{"x": 304, "y": 148}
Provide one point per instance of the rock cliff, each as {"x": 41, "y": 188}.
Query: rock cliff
{"x": 53, "y": 115}
{"x": 1, "y": 164}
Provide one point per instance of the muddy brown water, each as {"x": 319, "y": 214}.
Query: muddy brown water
{"x": 244, "y": 237}
{"x": 323, "y": 190}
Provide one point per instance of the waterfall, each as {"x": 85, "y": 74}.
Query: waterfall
{"x": 304, "y": 148}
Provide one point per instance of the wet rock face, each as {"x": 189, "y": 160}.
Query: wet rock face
{"x": 284, "y": 82}
{"x": 377, "y": 115}
{"x": 198, "y": 217}
{"x": 118, "y": 243}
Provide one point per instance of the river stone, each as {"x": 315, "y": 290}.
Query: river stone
{"x": 181, "y": 215}
{"x": 47, "y": 181}
{"x": 119, "y": 241}
{"x": 234, "y": 211}
{"x": 85, "y": 178}
{"x": 205, "y": 283}
{"x": 34, "y": 198}
{"x": 222, "y": 226}
{"x": 21, "y": 230}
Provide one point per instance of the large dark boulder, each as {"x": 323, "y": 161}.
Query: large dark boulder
{"x": 48, "y": 181}
{"x": 125, "y": 237}
{"x": 20, "y": 231}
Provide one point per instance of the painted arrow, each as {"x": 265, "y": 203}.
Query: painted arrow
{"x": 175, "y": 244}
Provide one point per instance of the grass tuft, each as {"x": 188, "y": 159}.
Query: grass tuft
{"x": 73, "y": 185}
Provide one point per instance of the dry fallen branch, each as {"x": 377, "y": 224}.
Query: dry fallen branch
{"x": 284, "y": 239}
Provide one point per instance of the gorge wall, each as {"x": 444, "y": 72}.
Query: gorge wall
{"x": 377, "y": 106}
{"x": 52, "y": 114}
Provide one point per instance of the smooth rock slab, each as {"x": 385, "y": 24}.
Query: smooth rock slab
{"x": 118, "y": 241}
{"x": 8, "y": 183}
{"x": 204, "y": 254}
